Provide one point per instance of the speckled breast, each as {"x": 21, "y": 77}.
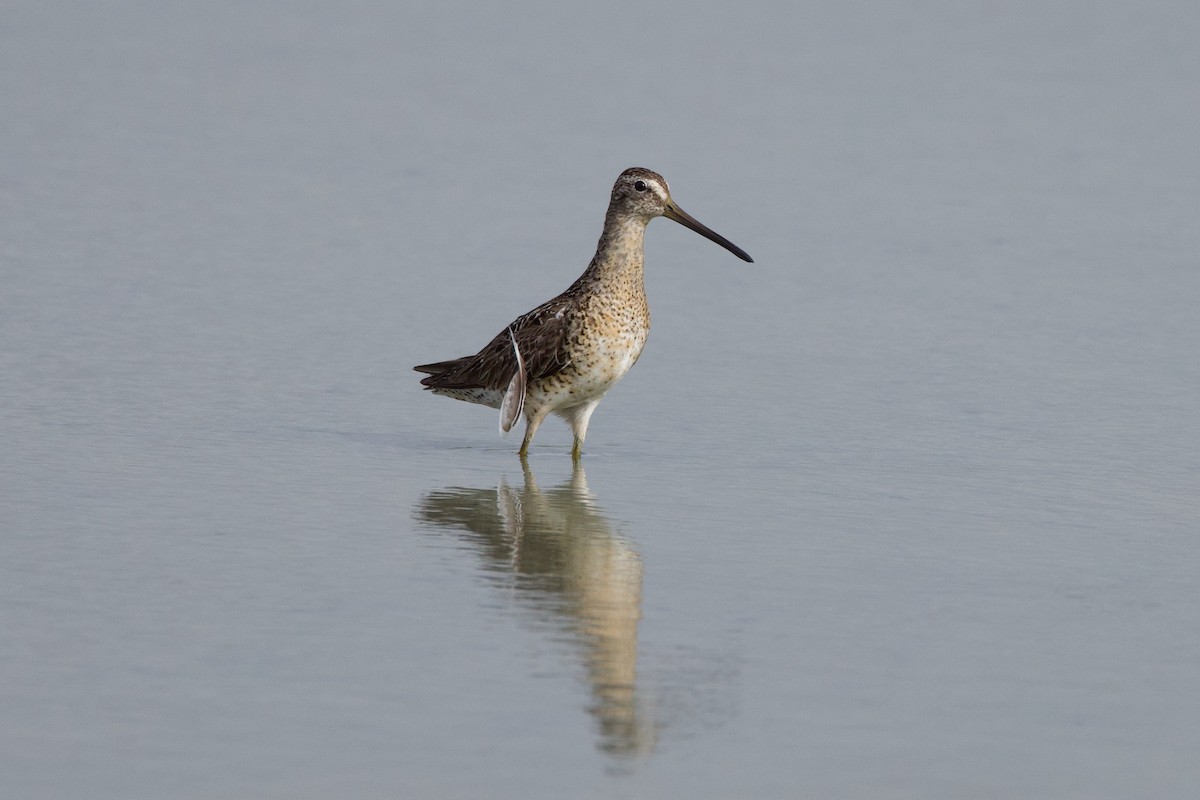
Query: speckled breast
{"x": 602, "y": 348}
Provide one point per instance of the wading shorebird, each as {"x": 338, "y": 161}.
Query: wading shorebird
{"x": 564, "y": 355}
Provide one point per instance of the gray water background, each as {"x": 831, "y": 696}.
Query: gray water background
{"x": 908, "y": 508}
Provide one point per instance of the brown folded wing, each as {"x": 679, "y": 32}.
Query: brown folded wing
{"x": 541, "y": 335}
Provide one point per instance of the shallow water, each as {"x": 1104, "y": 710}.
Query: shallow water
{"x": 907, "y": 508}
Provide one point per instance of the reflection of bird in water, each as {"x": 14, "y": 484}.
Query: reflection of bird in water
{"x": 569, "y": 566}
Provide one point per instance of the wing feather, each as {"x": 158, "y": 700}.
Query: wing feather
{"x": 514, "y": 397}
{"x": 535, "y": 341}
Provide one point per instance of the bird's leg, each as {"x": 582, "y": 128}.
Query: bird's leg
{"x": 578, "y": 417}
{"x": 532, "y": 422}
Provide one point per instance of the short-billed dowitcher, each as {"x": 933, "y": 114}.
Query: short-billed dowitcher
{"x": 564, "y": 355}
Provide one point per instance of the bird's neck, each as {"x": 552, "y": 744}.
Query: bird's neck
{"x": 619, "y": 254}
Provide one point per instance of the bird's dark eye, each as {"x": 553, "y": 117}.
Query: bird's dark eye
{"x": 639, "y": 185}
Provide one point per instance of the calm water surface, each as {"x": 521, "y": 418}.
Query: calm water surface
{"x": 907, "y": 508}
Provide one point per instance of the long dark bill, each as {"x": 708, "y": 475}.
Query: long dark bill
{"x": 685, "y": 219}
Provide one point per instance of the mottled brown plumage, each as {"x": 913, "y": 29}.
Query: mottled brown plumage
{"x": 564, "y": 355}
